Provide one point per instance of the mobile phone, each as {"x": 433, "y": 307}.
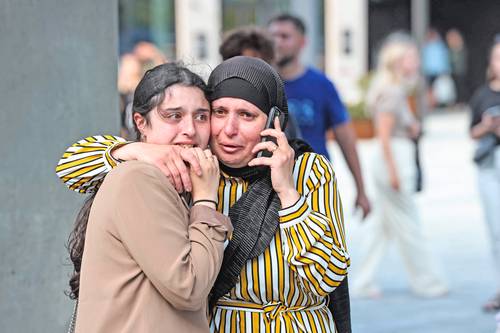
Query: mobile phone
{"x": 275, "y": 112}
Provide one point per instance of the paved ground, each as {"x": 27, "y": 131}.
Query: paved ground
{"x": 452, "y": 220}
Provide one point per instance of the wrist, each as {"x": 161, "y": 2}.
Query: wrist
{"x": 125, "y": 152}
{"x": 288, "y": 197}
{"x": 205, "y": 202}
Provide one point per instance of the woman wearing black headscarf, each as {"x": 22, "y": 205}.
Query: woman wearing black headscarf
{"x": 288, "y": 248}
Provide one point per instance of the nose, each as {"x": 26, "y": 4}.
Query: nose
{"x": 231, "y": 126}
{"x": 188, "y": 128}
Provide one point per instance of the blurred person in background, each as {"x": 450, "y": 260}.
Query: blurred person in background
{"x": 396, "y": 214}
{"x": 132, "y": 67}
{"x": 458, "y": 61}
{"x": 314, "y": 100}
{"x": 143, "y": 260}
{"x": 247, "y": 41}
{"x": 436, "y": 65}
{"x": 485, "y": 128}
{"x": 129, "y": 74}
{"x": 255, "y": 42}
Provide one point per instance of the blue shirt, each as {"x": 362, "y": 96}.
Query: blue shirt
{"x": 435, "y": 58}
{"x": 316, "y": 106}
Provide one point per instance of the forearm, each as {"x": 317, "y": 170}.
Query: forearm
{"x": 479, "y": 130}
{"x": 126, "y": 152}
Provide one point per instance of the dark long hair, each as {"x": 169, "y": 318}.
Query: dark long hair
{"x": 150, "y": 93}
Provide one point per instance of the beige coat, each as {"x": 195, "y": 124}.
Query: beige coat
{"x": 148, "y": 263}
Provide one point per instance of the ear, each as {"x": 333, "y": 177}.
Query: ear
{"x": 140, "y": 122}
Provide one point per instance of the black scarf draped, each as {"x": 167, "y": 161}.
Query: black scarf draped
{"x": 255, "y": 221}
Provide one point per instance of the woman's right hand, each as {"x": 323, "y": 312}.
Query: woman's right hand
{"x": 205, "y": 186}
{"x": 170, "y": 159}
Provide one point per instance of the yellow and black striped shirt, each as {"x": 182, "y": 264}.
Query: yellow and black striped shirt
{"x": 285, "y": 288}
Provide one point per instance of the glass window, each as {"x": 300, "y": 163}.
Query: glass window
{"x": 147, "y": 20}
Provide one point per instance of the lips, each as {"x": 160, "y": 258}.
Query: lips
{"x": 229, "y": 148}
{"x": 186, "y": 144}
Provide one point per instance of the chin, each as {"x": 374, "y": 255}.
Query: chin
{"x": 232, "y": 163}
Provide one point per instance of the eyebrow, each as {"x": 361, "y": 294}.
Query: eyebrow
{"x": 237, "y": 109}
{"x": 180, "y": 108}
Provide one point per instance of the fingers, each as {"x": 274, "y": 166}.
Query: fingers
{"x": 267, "y": 145}
{"x": 278, "y": 134}
{"x": 277, "y": 124}
{"x": 216, "y": 163}
{"x": 261, "y": 161}
{"x": 212, "y": 158}
{"x": 183, "y": 174}
{"x": 166, "y": 171}
{"x": 200, "y": 155}
{"x": 174, "y": 176}
{"x": 192, "y": 159}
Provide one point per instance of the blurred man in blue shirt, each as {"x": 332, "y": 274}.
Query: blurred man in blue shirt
{"x": 313, "y": 99}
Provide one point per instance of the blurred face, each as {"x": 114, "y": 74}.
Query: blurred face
{"x": 495, "y": 62}
{"x": 410, "y": 63}
{"x": 236, "y": 127}
{"x": 288, "y": 41}
{"x": 183, "y": 118}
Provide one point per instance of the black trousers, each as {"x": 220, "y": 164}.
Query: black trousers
{"x": 340, "y": 307}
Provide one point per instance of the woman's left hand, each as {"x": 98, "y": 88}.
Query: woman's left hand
{"x": 281, "y": 163}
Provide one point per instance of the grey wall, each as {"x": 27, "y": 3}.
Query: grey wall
{"x": 58, "y": 62}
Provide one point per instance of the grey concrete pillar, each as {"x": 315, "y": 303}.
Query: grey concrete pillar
{"x": 58, "y": 63}
{"x": 419, "y": 26}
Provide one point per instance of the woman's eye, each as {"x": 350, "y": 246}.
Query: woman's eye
{"x": 218, "y": 112}
{"x": 174, "y": 116}
{"x": 201, "y": 117}
{"x": 247, "y": 115}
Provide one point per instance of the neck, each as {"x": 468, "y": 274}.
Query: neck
{"x": 246, "y": 172}
{"x": 292, "y": 70}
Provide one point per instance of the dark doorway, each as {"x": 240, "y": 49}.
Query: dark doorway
{"x": 384, "y": 17}
{"x": 478, "y": 21}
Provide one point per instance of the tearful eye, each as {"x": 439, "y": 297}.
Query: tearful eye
{"x": 218, "y": 112}
{"x": 174, "y": 116}
{"x": 201, "y": 116}
{"x": 170, "y": 115}
{"x": 247, "y": 115}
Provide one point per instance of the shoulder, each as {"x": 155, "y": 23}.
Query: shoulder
{"x": 308, "y": 162}
{"x": 317, "y": 75}
{"x": 136, "y": 173}
{"x": 135, "y": 169}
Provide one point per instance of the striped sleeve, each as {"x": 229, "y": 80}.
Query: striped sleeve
{"x": 84, "y": 165}
{"x": 313, "y": 228}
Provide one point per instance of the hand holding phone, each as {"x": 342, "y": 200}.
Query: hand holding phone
{"x": 275, "y": 112}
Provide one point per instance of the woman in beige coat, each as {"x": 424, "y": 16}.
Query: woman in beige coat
{"x": 145, "y": 262}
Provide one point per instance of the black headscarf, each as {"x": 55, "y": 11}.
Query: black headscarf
{"x": 254, "y": 216}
